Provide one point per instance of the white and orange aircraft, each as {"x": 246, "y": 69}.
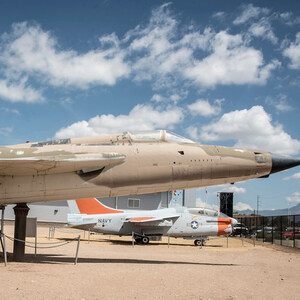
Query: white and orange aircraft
{"x": 190, "y": 223}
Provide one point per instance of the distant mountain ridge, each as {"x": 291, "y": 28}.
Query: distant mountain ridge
{"x": 295, "y": 210}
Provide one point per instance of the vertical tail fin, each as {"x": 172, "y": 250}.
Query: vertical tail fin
{"x": 73, "y": 207}
{"x": 90, "y": 206}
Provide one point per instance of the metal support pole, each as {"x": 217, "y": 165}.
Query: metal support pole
{"x": 35, "y": 245}
{"x": 294, "y": 220}
{"x": 89, "y": 235}
{"x": 77, "y": 250}
{"x": 227, "y": 241}
{"x": 281, "y": 230}
{"x": 272, "y": 230}
{"x": 263, "y": 228}
{"x": 2, "y": 207}
{"x": 161, "y": 195}
{"x": 21, "y": 211}
{"x": 2, "y": 237}
{"x": 132, "y": 237}
{"x": 4, "y": 250}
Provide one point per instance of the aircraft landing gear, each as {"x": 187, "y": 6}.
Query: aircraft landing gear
{"x": 145, "y": 240}
{"x": 142, "y": 240}
{"x": 199, "y": 242}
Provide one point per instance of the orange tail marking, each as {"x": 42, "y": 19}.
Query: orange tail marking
{"x": 92, "y": 206}
{"x": 223, "y": 224}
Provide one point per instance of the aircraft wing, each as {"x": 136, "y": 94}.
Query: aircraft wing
{"x": 151, "y": 221}
{"x": 20, "y": 163}
{"x": 85, "y": 226}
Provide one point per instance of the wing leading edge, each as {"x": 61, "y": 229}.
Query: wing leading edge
{"x": 151, "y": 221}
{"x": 41, "y": 164}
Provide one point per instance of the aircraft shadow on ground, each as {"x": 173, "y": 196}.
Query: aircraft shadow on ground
{"x": 59, "y": 259}
{"x": 129, "y": 243}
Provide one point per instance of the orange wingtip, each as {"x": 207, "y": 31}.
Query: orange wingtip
{"x": 92, "y": 206}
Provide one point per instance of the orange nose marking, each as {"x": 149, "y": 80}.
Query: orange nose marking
{"x": 223, "y": 224}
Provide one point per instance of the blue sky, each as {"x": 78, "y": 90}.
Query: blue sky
{"x": 219, "y": 72}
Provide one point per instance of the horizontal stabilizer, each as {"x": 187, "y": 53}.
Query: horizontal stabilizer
{"x": 55, "y": 163}
{"x": 86, "y": 226}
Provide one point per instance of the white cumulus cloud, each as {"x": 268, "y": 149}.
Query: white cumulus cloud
{"x": 161, "y": 51}
{"x": 293, "y": 53}
{"x": 202, "y": 107}
{"x": 250, "y": 12}
{"x": 234, "y": 189}
{"x": 31, "y": 50}
{"x": 167, "y": 56}
{"x": 141, "y": 117}
{"x": 19, "y": 92}
{"x": 280, "y": 103}
{"x": 201, "y": 203}
{"x": 295, "y": 198}
{"x": 264, "y": 30}
{"x": 240, "y": 206}
{"x": 172, "y": 98}
{"x": 252, "y": 128}
{"x": 230, "y": 62}
{"x": 295, "y": 176}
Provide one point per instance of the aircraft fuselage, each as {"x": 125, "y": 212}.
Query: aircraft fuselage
{"x": 147, "y": 167}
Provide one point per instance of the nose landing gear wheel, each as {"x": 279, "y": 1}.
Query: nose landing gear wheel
{"x": 199, "y": 242}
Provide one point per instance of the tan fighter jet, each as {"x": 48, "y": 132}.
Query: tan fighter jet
{"x": 124, "y": 164}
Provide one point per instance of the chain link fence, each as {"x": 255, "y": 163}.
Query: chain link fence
{"x": 280, "y": 230}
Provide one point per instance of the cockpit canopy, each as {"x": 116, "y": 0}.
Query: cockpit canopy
{"x": 207, "y": 212}
{"x": 158, "y": 136}
{"x": 152, "y": 136}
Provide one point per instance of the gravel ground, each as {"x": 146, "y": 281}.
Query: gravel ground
{"x": 110, "y": 268}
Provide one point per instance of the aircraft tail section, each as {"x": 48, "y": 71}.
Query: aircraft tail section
{"x": 73, "y": 207}
{"x": 90, "y": 206}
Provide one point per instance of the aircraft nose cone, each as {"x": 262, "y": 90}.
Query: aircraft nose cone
{"x": 234, "y": 221}
{"x": 282, "y": 162}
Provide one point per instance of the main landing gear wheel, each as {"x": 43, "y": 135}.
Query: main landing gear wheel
{"x": 142, "y": 240}
{"x": 145, "y": 240}
{"x": 199, "y": 242}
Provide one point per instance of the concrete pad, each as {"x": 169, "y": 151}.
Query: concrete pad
{"x": 113, "y": 269}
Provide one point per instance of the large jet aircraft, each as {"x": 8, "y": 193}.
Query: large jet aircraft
{"x": 124, "y": 164}
{"x": 191, "y": 223}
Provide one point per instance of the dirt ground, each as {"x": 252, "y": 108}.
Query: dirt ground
{"x": 111, "y": 268}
